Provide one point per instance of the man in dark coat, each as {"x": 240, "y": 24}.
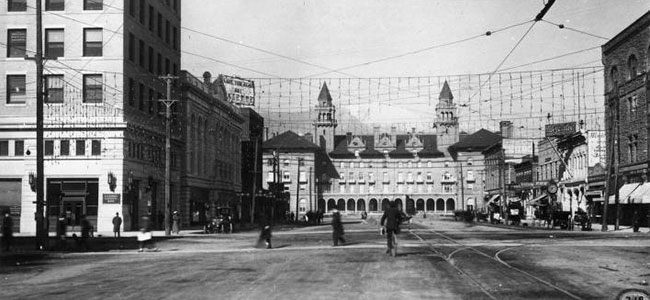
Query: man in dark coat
{"x": 117, "y": 222}
{"x": 391, "y": 220}
{"x": 61, "y": 228}
{"x": 337, "y": 228}
{"x": 7, "y": 231}
{"x": 85, "y": 233}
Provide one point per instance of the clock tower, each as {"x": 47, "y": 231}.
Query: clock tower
{"x": 325, "y": 125}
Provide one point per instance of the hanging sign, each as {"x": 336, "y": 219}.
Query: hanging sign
{"x": 111, "y": 198}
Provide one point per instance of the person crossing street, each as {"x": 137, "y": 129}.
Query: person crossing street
{"x": 390, "y": 221}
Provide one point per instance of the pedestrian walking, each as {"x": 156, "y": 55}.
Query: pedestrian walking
{"x": 636, "y": 222}
{"x": 337, "y": 228}
{"x": 61, "y": 229}
{"x": 117, "y": 223}
{"x": 390, "y": 222}
{"x": 85, "y": 233}
{"x": 7, "y": 232}
{"x": 176, "y": 219}
{"x": 265, "y": 236}
{"x": 144, "y": 236}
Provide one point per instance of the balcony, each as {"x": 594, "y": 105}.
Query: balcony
{"x": 352, "y": 180}
{"x": 386, "y": 180}
{"x": 429, "y": 179}
{"x": 342, "y": 181}
{"x": 470, "y": 179}
{"x": 371, "y": 181}
{"x": 448, "y": 180}
{"x": 419, "y": 180}
{"x": 361, "y": 180}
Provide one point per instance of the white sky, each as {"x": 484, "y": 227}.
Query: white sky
{"x": 340, "y": 33}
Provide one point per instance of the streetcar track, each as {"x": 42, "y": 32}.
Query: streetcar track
{"x": 495, "y": 258}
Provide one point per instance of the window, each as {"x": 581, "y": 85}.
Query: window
{"x": 131, "y": 47}
{"x": 303, "y": 176}
{"x": 19, "y": 148}
{"x": 341, "y": 177}
{"x": 96, "y": 147}
{"x": 470, "y": 175}
{"x": 131, "y": 92}
{"x": 141, "y": 52}
{"x": 447, "y": 188}
{"x": 302, "y": 205}
{"x": 159, "y": 64}
{"x": 429, "y": 177}
{"x": 409, "y": 176}
{"x": 160, "y": 27}
{"x": 285, "y": 162}
{"x": 151, "y": 17}
{"x": 361, "y": 177}
{"x": 141, "y": 97}
{"x": 632, "y": 104}
{"x": 142, "y": 12}
{"x": 132, "y": 8}
{"x": 632, "y": 66}
{"x": 470, "y": 161}
{"x": 49, "y": 148}
{"x": 446, "y": 176}
{"x": 175, "y": 38}
{"x": 175, "y": 70}
{"x": 16, "y": 89}
{"x": 65, "y": 148}
{"x": 400, "y": 177}
{"x": 17, "y": 5}
{"x": 286, "y": 176}
{"x": 152, "y": 101}
{"x": 16, "y": 42}
{"x": 80, "y": 146}
{"x": 371, "y": 178}
{"x": 4, "y": 148}
{"x": 270, "y": 177}
{"x": 54, "y": 43}
{"x": 151, "y": 58}
{"x": 386, "y": 179}
{"x": 167, "y": 66}
{"x": 167, "y": 32}
{"x": 54, "y": 89}
{"x": 92, "y": 42}
{"x": 419, "y": 177}
{"x": 342, "y": 189}
{"x": 429, "y": 164}
{"x": 54, "y": 5}
{"x": 93, "y": 4}
{"x": 92, "y": 88}
{"x": 613, "y": 77}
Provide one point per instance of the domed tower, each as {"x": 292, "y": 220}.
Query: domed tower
{"x": 446, "y": 119}
{"x": 325, "y": 125}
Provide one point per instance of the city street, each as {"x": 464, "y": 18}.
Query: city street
{"x": 437, "y": 259}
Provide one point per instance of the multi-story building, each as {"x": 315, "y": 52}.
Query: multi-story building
{"x": 625, "y": 58}
{"x": 469, "y": 157}
{"x": 211, "y": 162}
{"x": 104, "y": 134}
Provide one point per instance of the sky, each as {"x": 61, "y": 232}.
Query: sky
{"x": 363, "y": 39}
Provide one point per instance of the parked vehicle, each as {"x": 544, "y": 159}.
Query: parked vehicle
{"x": 222, "y": 222}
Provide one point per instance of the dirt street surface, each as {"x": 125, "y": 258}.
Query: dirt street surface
{"x": 437, "y": 259}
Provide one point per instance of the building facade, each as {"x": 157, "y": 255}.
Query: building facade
{"x": 212, "y": 160}
{"x": 104, "y": 136}
{"x": 626, "y": 58}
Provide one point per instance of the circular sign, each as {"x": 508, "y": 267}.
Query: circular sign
{"x": 552, "y": 188}
{"x": 633, "y": 294}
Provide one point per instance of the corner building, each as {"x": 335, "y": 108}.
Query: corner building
{"x": 104, "y": 128}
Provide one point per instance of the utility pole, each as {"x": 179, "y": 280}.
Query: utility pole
{"x": 300, "y": 160}
{"x": 254, "y": 191}
{"x": 617, "y": 199}
{"x": 462, "y": 186}
{"x": 276, "y": 184}
{"x": 610, "y": 153}
{"x": 168, "y": 148}
{"x": 41, "y": 230}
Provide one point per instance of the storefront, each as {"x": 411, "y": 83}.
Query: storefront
{"x": 72, "y": 198}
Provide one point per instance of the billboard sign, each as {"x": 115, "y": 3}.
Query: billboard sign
{"x": 560, "y": 129}
{"x": 516, "y": 149}
{"x": 597, "y": 150}
{"x": 239, "y": 91}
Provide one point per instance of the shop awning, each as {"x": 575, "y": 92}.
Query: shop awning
{"x": 538, "y": 200}
{"x": 641, "y": 194}
{"x": 625, "y": 192}
{"x": 593, "y": 193}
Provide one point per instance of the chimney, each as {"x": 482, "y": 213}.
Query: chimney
{"x": 308, "y": 136}
{"x": 375, "y": 133}
{"x": 207, "y": 77}
{"x": 348, "y": 136}
{"x": 462, "y": 135}
{"x": 506, "y": 129}
{"x": 393, "y": 135}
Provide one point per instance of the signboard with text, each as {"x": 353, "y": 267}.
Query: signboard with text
{"x": 560, "y": 129}
{"x": 515, "y": 149}
{"x": 239, "y": 91}
{"x": 597, "y": 149}
{"x": 111, "y": 198}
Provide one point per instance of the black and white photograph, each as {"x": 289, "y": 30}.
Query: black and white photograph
{"x": 339, "y": 149}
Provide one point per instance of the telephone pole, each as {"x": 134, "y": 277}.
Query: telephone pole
{"x": 41, "y": 230}
{"x": 168, "y": 147}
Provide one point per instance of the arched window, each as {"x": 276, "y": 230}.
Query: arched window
{"x": 632, "y": 66}
{"x": 613, "y": 77}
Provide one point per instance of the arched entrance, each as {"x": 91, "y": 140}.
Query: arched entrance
{"x": 340, "y": 205}
{"x": 419, "y": 205}
{"x": 331, "y": 204}
{"x": 398, "y": 203}
{"x": 372, "y": 206}
{"x": 350, "y": 205}
{"x": 384, "y": 204}
{"x": 430, "y": 205}
{"x": 410, "y": 206}
{"x": 321, "y": 205}
{"x": 361, "y": 205}
{"x": 440, "y": 204}
{"x": 451, "y": 204}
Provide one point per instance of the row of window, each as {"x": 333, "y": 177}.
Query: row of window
{"x": 166, "y": 32}
{"x": 400, "y": 164}
{"x": 148, "y": 60}
{"x": 140, "y": 11}
{"x": 18, "y": 147}
{"x": 410, "y": 189}
{"x": 67, "y": 147}
{"x": 54, "y": 46}
{"x": 54, "y": 5}
{"x": 92, "y": 89}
